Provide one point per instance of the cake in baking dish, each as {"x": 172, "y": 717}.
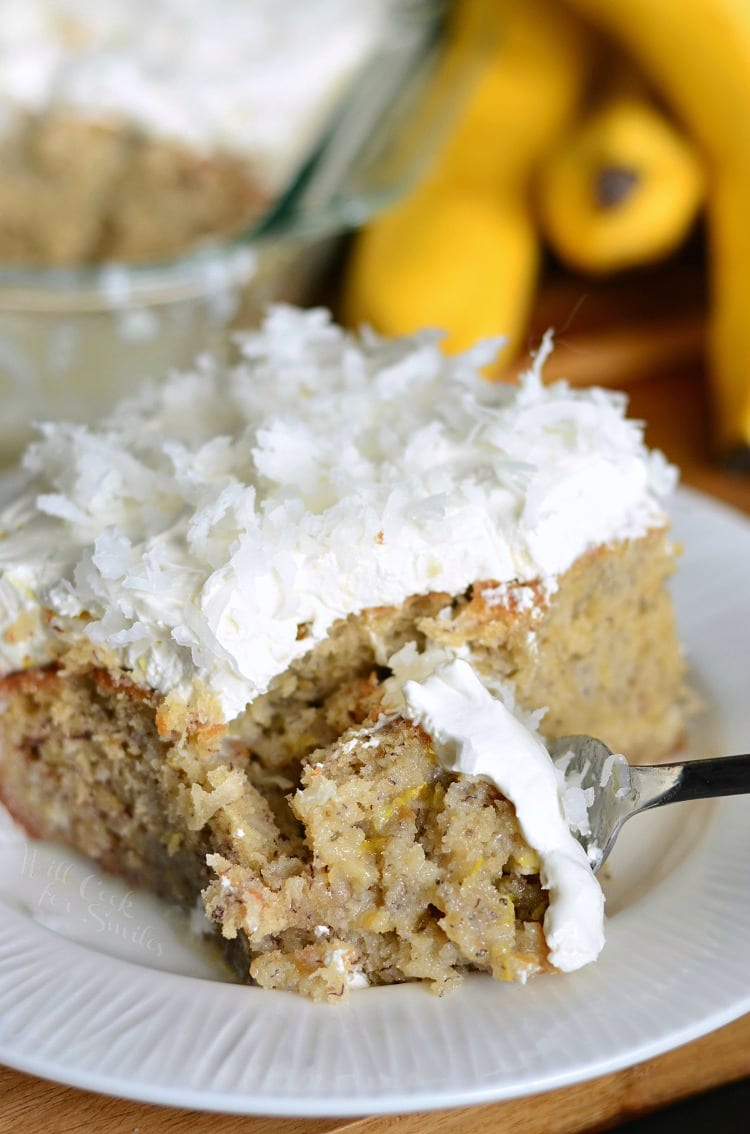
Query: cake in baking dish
{"x": 286, "y": 639}
{"x": 132, "y": 131}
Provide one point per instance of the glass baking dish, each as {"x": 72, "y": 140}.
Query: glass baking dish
{"x": 74, "y": 340}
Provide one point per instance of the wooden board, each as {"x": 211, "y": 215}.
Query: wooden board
{"x": 32, "y": 1106}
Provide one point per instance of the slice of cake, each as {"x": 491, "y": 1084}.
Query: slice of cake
{"x": 271, "y": 636}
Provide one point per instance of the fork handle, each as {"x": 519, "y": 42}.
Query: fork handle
{"x": 705, "y": 779}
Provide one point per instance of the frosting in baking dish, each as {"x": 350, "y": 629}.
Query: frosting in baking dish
{"x": 248, "y": 77}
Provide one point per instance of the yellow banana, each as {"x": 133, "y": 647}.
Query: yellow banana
{"x": 451, "y": 258}
{"x": 622, "y": 188}
{"x": 461, "y": 251}
{"x": 697, "y": 53}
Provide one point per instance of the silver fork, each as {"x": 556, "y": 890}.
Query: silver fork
{"x": 616, "y": 790}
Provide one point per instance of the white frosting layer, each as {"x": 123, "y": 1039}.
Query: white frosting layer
{"x": 476, "y": 735}
{"x": 212, "y": 516}
{"x": 251, "y": 77}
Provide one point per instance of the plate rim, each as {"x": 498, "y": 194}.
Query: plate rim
{"x": 725, "y": 824}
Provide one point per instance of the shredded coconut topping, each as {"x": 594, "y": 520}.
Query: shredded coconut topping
{"x": 211, "y": 516}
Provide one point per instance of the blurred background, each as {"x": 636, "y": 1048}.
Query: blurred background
{"x": 490, "y": 167}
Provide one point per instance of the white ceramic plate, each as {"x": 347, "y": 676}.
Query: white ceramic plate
{"x": 106, "y": 989}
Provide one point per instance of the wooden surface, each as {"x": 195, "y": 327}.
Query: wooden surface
{"x": 668, "y": 390}
{"x": 30, "y": 1106}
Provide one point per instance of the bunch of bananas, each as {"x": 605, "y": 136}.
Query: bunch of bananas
{"x": 607, "y": 180}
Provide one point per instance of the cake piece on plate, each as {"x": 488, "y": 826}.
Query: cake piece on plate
{"x": 288, "y": 636}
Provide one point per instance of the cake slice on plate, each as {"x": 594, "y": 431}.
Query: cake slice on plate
{"x": 259, "y": 628}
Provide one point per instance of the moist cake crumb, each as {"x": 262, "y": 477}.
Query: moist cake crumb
{"x": 164, "y": 715}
